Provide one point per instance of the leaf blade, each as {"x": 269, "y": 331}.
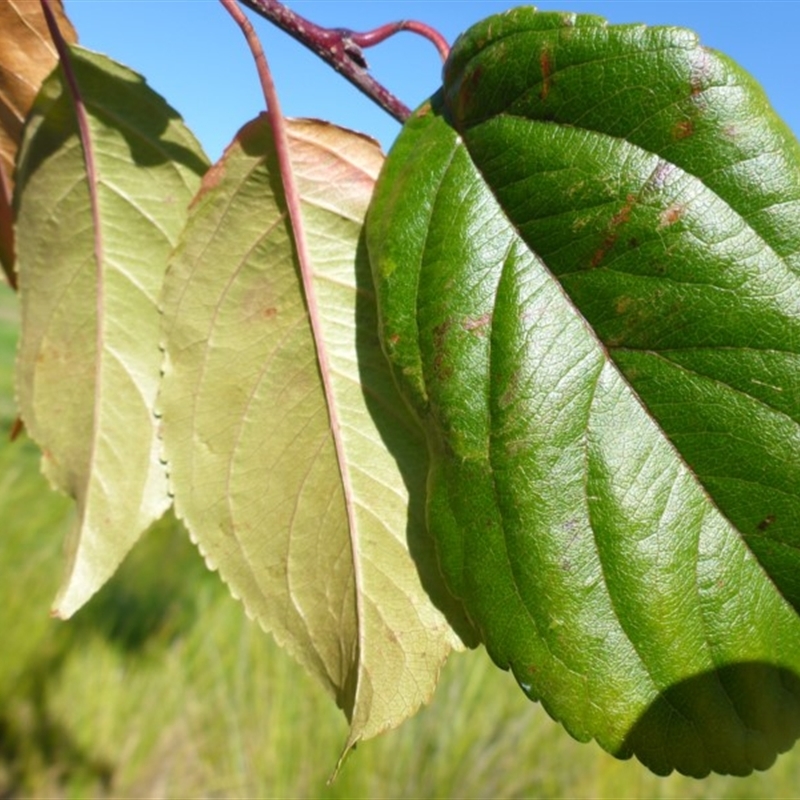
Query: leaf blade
{"x": 242, "y": 398}
{"x": 703, "y": 160}
{"x": 570, "y": 517}
{"x": 88, "y": 363}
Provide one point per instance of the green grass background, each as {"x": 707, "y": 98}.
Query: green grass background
{"x": 161, "y": 687}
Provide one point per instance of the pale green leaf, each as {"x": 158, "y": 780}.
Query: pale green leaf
{"x": 248, "y": 435}
{"x": 90, "y": 274}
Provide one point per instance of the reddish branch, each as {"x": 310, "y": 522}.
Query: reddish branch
{"x": 343, "y": 48}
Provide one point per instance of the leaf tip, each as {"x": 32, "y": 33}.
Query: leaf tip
{"x": 71, "y": 597}
{"x": 349, "y": 747}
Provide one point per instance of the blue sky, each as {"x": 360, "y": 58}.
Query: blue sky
{"x": 192, "y": 53}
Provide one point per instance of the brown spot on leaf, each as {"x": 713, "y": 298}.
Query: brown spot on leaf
{"x": 601, "y": 251}
{"x": 547, "y": 67}
{"x": 624, "y": 214}
{"x": 439, "y": 333}
{"x": 766, "y": 522}
{"x": 261, "y": 303}
{"x": 669, "y": 216}
{"x": 469, "y": 87}
{"x": 658, "y": 268}
{"x": 623, "y": 304}
{"x": 619, "y": 219}
{"x": 683, "y": 129}
{"x": 701, "y": 71}
{"x": 478, "y": 325}
{"x": 443, "y": 371}
{"x": 510, "y": 396}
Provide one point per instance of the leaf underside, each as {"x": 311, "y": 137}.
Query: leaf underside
{"x": 91, "y": 261}
{"x": 586, "y": 250}
{"x": 247, "y": 433}
{"x": 27, "y": 55}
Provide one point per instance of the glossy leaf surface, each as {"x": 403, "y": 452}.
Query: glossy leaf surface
{"x": 314, "y": 540}
{"x": 92, "y": 252}
{"x": 586, "y": 250}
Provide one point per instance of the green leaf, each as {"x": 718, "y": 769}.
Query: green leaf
{"x": 586, "y": 251}
{"x": 316, "y": 542}
{"x": 91, "y": 259}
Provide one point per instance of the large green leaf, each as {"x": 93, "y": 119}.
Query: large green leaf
{"x": 285, "y": 484}
{"x": 586, "y": 250}
{"x": 97, "y": 215}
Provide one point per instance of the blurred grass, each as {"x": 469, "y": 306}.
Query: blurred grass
{"x": 161, "y": 687}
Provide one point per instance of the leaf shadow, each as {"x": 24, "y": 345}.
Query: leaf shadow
{"x": 141, "y": 115}
{"x": 405, "y": 440}
{"x": 730, "y": 720}
{"x": 123, "y": 102}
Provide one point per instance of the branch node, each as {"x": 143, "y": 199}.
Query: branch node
{"x": 343, "y": 48}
